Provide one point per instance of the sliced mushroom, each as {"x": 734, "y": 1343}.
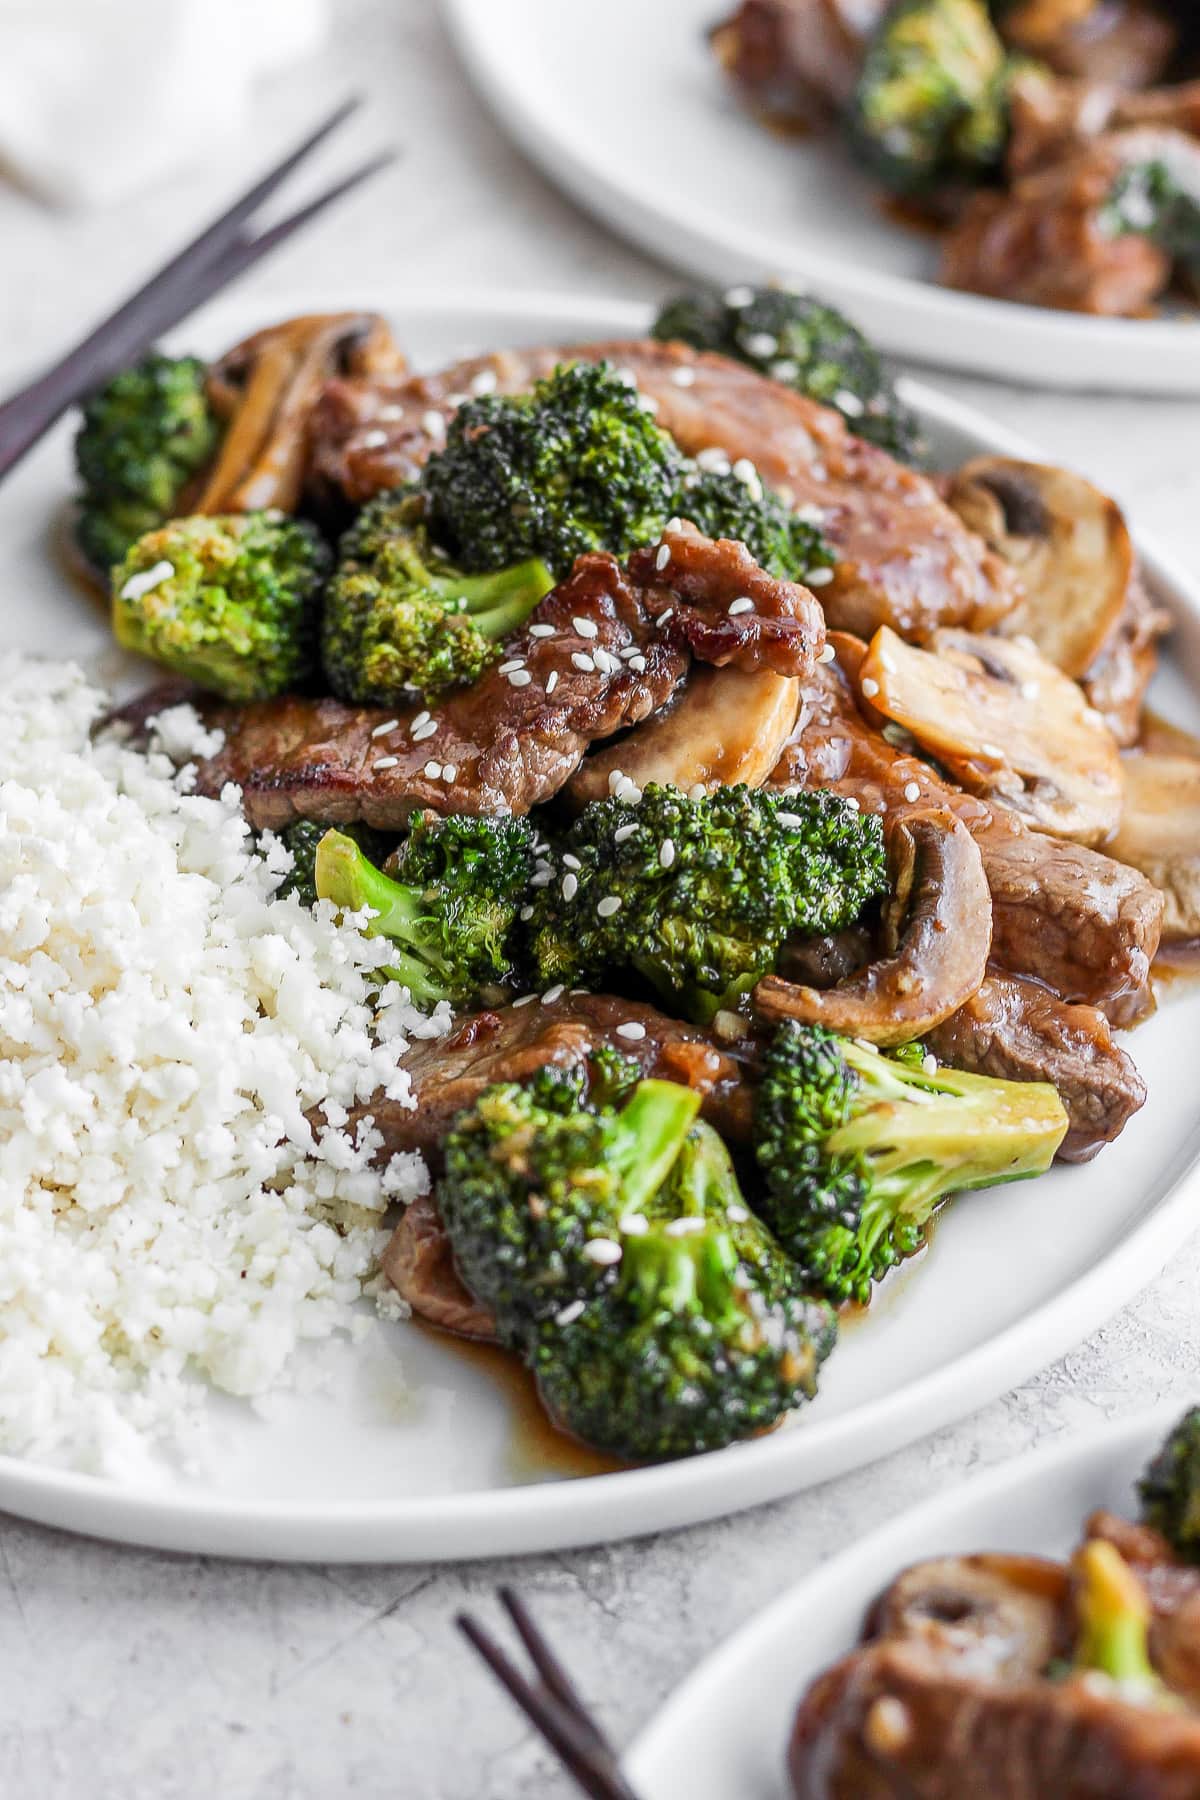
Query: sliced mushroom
{"x": 1068, "y": 543}
{"x": 727, "y": 726}
{"x": 1160, "y": 833}
{"x": 266, "y": 388}
{"x": 1005, "y": 723}
{"x": 937, "y": 931}
{"x": 1005, "y": 1614}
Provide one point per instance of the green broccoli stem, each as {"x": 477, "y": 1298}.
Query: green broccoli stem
{"x": 499, "y": 602}
{"x": 652, "y": 1128}
{"x": 679, "y": 1274}
{"x": 352, "y": 882}
{"x": 1114, "y": 1618}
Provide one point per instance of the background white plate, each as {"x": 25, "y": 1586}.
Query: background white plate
{"x": 723, "y": 1735}
{"x": 413, "y": 1453}
{"x": 623, "y": 104}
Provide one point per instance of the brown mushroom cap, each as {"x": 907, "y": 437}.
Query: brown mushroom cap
{"x": 1068, "y": 543}
{"x": 728, "y": 726}
{"x": 1005, "y": 723}
{"x": 937, "y": 934}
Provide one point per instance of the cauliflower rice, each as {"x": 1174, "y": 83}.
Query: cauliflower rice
{"x": 165, "y": 1023}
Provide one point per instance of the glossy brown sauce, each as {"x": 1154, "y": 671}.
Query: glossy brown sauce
{"x": 909, "y": 215}
{"x": 538, "y": 1447}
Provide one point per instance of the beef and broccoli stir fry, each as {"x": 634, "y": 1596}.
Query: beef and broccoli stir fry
{"x": 744, "y": 797}
{"x": 1055, "y": 142}
{"x": 1025, "y": 1678}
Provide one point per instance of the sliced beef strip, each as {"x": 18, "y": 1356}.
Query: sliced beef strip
{"x": 904, "y": 558}
{"x": 893, "y": 1721}
{"x": 511, "y": 1044}
{"x": 705, "y": 611}
{"x": 1086, "y": 926}
{"x": 797, "y": 60}
{"x": 1019, "y": 1031}
{"x": 1117, "y": 680}
{"x": 509, "y": 745}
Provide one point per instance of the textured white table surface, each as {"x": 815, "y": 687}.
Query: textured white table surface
{"x": 149, "y": 1677}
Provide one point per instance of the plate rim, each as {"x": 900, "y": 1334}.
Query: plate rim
{"x": 911, "y": 316}
{"x": 541, "y": 1517}
{"x": 1115, "y": 1439}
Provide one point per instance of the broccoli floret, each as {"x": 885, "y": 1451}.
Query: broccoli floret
{"x": 399, "y": 618}
{"x": 575, "y": 465}
{"x": 698, "y": 896}
{"x": 931, "y": 104}
{"x": 578, "y": 464}
{"x": 683, "y": 1355}
{"x": 1147, "y": 200}
{"x": 806, "y": 344}
{"x": 450, "y": 910}
{"x": 534, "y": 1178}
{"x": 1113, "y": 1613}
{"x": 230, "y": 602}
{"x": 144, "y": 435}
{"x": 302, "y": 838}
{"x": 858, "y": 1148}
{"x": 1170, "y": 1488}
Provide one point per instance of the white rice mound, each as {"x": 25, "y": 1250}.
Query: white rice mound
{"x": 165, "y": 1023}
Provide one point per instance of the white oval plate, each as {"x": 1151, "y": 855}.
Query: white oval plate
{"x": 723, "y": 1735}
{"x": 624, "y": 106}
{"x": 412, "y": 1453}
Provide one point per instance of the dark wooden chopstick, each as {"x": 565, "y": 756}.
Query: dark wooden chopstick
{"x": 220, "y": 253}
{"x": 552, "y": 1704}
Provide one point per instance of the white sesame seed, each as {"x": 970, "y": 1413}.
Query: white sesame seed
{"x": 818, "y": 578}
{"x": 929, "y": 1063}
{"x": 648, "y": 404}
{"x": 912, "y": 791}
{"x": 853, "y": 804}
{"x": 147, "y": 579}
{"x": 569, "y": 1314}
{"x": 610, "y": 904}
{"x": 604, "y": 1252}
{"x": 554, "y": 993}
{"x": 634, "y": 1224}
{"x": 737, "y": 1214}
{"x": 570, "y": 861}
{"x": 506, "y": 668}
{"x": 629, "y": 792}
{"x": 519, "y": 678}
{"x": 826, "y": 653}
{"x": 662, "y": 557}
{"x": 373, "y": 440}
{"x": 427, "y": 730}
{"x": 760, "y": 343}
{"x": 785, "y": 368}
{"x": 790, "y": 821}
{"x": 382, "y": 730}
{"x": 1030, "y": 690}
{"x": 541, "y": 631}
{"x": 587, "y": 628}
{"x": 666, "y": 853}
{"x": 433, "y": 423}
{"x": 484, "y": 382}
{"x": 849, "y": 403}
{"x": 743, "y": 604}
{"x": 422, "y": 719}
{"x": 526, "y": 914}
{"x": 638, "y": 664}
{"x": 684, "y": 375}
{"x": 737, "y": 297}
{"x": 623, "y": 833}
{"x": 713, "y": 460}
{"x": 870, "y": 687}
{"x": 457, "y": 400}
{"x": 525, "y": 1000}
{"x": 433, "y": 771}
{"x": 390, "y": 412}
{"x": 685, "y": 1227}
{"x": 385, "y": 762}
{"x": 664, "y": 616}
{"x": 570, "y": 886}
{"x": 583, "y": 662}
{"x": 993, "y": 750}
{"x": 627, "y": 377}
{"x": 745, "y": 470}
{"x": 449, "y": 772}
{"x": 541, "y": 878}
{"x": 631, "y": 1030}
{"x": 697, "y": 791}
{"x": 552, "y": 681}
{"x": 616, "y": 777}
